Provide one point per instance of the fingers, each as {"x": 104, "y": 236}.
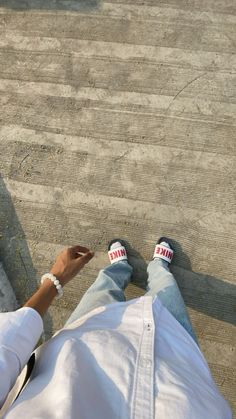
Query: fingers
{"x": 74, "y": 250}
{"x": 85, "y": 258}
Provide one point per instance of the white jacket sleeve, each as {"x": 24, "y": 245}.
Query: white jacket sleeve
{"x": 19, "y": 333}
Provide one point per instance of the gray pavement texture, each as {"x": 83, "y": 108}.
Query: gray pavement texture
{"x": 7, "y": 296}
{"x": 118, "y": 119}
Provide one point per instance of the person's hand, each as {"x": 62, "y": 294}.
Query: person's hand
{"x": 69, "y": 262}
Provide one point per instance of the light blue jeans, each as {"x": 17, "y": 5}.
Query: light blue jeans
{"x": 111, "y": 282}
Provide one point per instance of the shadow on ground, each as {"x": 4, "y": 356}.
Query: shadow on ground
{"x": 70, "y": 5}
{"x": 204, "y": 293}
{"x": 14, "y": 252}
{"x": 207, "y": 294}
{"x": 139, "y": 277}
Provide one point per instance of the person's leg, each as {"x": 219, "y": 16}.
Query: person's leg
{"x": 162, "y": 283}
{"x": 108, "y": 288}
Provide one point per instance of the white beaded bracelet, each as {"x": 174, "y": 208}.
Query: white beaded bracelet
{"x": 55, "y": 282}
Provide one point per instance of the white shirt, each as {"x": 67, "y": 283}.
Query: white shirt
{"x": 129, "y": 360}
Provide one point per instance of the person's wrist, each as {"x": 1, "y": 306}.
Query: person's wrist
{"x": 49, "y": 286}
{"x": 59, "y": 276}
{"x": 62, "y": 277}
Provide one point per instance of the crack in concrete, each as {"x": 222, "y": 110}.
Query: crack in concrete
{"x": 122, "y": 156}
{"x": 186, "y": 85}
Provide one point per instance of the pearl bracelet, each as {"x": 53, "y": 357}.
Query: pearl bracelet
{"x": 55, "y": 282}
